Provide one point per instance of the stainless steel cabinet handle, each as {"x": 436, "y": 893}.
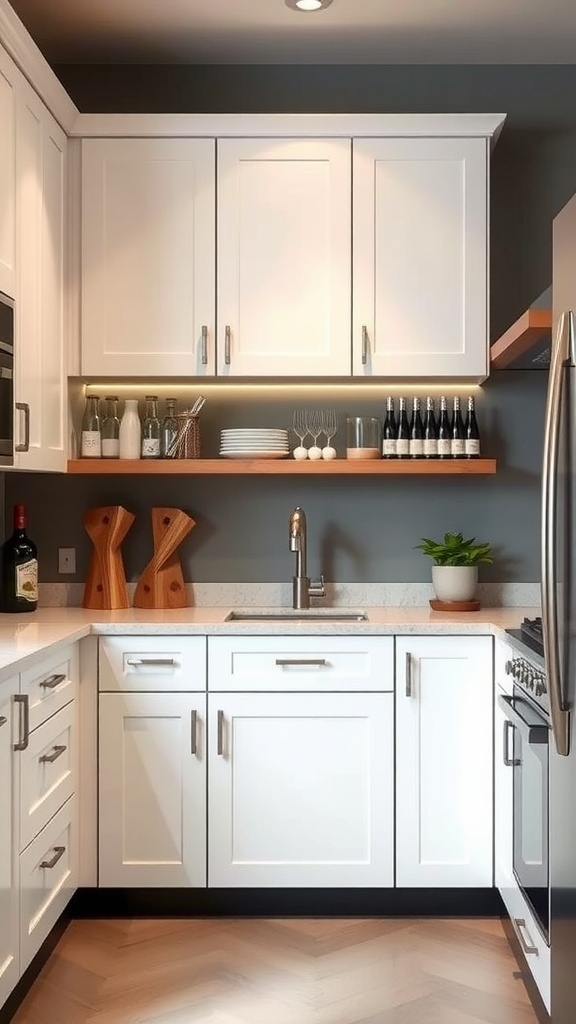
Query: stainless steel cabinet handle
{"x": 220, "y": 747}
{"x": 204, "y": 356}
{"x": 25, "y": 408}
{"x": 135, "y": 662}
{"x": 408, "y": 674}
{"x": 318, "y": 662}
{"x": 519, "y": 925}
{"x": 227, "y": 342}
{"x": 59, "y": 852}
{"x": 3, "y": 720}
{"x": 510, "y": 762}
{"x": 193, "y": 732}
{"x": 364, "y": 345}
{"x": 24, "y": 721}
{"x": 56, "y": 753}
{"x": 52, "y": 681}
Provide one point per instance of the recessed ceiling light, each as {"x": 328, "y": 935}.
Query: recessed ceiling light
{"x": 307, "y": 5}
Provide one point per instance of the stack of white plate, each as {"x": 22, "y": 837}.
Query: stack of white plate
{"x": 254, "y": 443}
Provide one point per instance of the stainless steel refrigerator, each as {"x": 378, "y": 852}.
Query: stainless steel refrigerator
{"x": 559, "y": 614}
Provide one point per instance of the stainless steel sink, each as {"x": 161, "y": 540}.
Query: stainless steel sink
{"x": 293, "y": 615}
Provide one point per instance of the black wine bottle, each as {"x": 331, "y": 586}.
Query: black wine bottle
{"x": 471, "y": 433}
{"x": 430, "y": 431}
{"x": 457, "y": 431}
{"x": 403, "y": 432}
{"x": 444, "y": 445}
{"x": 19, "y": 574}
{"x": 389, "y": 431}
{"x": 416, "y": 445}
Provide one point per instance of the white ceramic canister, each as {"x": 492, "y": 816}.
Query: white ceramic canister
{"x": 130, "y": 431}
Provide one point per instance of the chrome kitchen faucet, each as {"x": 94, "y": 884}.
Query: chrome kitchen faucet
{"x": 302, "y": 587}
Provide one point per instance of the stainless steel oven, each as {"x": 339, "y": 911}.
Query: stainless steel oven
{"x": 6, "y": 380}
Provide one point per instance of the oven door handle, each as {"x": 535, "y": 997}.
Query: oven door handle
{"x": 533, "y": 734}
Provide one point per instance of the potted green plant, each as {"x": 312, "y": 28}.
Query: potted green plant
{"x": 455, "y": 568}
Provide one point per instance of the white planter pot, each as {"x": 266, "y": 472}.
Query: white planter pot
{"x": 455, "y": 582}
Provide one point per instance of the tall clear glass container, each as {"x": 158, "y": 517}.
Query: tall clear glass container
{"x": 91, "y": 440}
{"x": 151, "y": 429}
{"x": 110, "y": 429}
{"x": 169, "y": 427}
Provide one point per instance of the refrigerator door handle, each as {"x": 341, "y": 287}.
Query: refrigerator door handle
{"x": 563, "y": 351}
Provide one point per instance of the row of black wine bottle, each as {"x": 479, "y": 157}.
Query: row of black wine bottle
{"x": 446, "y": 436}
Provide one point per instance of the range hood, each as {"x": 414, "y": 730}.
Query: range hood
{"x": 526, "y": 344}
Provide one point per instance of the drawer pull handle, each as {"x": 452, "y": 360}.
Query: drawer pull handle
{"x": 136, "y": 662}
{"x": 22, "y": 700}
{"x": 318, "y": 662}
{"x": 3, "y": 720}
{"x": 193, "y": 732}
{"x": 220, "y": 742}
{"x": 57, "y": 752}
{"x": 408, "y": 674}
{"x": 519, "y": 925}
{"x": 52, "y": 681}
{"x": 59, "y": 852}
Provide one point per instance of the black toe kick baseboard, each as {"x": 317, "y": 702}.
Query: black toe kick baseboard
{"x": 97, "y": 903}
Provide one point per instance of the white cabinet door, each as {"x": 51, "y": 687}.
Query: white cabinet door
{"x": 148, "y": 257}
{"x": 444, "y": 699}
{"x": 152, "y": 789}
{"x": 9, "y": 937}
{"x": 284, "y": 257}
{"x": 301, "y": 789}
{"x": 503, "y": 800}
{"x": 41, "y": 427}
{"x": 420, "y": 257}
{"x": 9, "y": 76}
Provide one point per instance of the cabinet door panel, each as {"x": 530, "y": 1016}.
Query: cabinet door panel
{"x": 284, "y": 257}
{"x": 48, "y": 775}
{"x": 9, "y": 954}
{"x": 8, "y": 76}
{"x": 420, "y": 257}
{"x": 444, "y": 761}
{"x": 152, "y": 790}
{"x": 302, "y": 793}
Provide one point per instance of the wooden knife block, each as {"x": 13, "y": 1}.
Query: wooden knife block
{"x": 161, "y": 585}
{"x": 106, "y": 581}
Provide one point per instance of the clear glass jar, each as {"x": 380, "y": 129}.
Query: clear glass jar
{"x": 110, "y": 429}
{"x": 91, "y": 441}
{"x": 169, "y": 427}
{"x": 151, "y": 429}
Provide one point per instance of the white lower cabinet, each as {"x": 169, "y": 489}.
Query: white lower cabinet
{"x": 301, "y": 789}
{"x": 444, "y": 800}
{"x": 9, "y": 923}
{"x": 152, "y": 789}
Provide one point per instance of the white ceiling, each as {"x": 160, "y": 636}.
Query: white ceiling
{"x": 268, "y": 32}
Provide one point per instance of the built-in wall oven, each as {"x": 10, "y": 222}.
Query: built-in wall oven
{"x": 6, "y": 380}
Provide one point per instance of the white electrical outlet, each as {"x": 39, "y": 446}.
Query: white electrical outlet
{"x": 66, "y": 560}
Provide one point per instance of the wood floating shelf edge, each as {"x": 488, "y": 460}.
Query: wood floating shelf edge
{"x": 283, "y": 467}
{"x": 526, "y": 330}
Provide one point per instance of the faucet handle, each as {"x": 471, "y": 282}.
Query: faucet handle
{"x": 317, "y": 587}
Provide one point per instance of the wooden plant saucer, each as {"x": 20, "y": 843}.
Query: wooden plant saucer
{"x": 454, "y": 606}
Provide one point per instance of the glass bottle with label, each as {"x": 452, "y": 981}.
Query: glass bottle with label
{"x": 457, "y": 431}
{"x": 130, "y": 431}
{"x": 91, "y": 440}
{"x": 389, "y": 431}
{"x": 169, "y": 427}
{"x": 444, "y": 443}
{"x": 416, "y": 446}
{"x": 151, "y": 429}
{"x": 403, "y": 434}
{"x": 110, "y": 429}
{"x": 471, "y": 433}
{"x": 430, "y": 431}
{"x": 19, "y": 583}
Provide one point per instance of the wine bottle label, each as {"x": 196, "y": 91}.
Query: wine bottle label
{"x": 430, "y": 446}
{"x": 457, "y": 446}
{"x": 150, "y": 447}
{"x": 444, "y": 446}
{"x": 110, "y": 447}
{"x": 472, "y": 446}
{"x": 416, "y": 446}
{"x": 27, "y": 580}
{"x": 402, "y": 446}
{"x": 389, "y": 447}
{"x": 91, "y": 444}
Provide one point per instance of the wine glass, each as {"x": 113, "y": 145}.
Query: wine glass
{"x": 329, "y": 427}
{"x": 300, "y": 428}
{"x": 314, "y": 421}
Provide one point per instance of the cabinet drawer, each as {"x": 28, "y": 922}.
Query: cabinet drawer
{"x": 48, "y": 870}
{"x": 538, "y": 961}
{"x": 51, "y": 684}
{"x": 152, "y": 663}
{"x": 48, "y": 772}
{"x": 292, "y": 663}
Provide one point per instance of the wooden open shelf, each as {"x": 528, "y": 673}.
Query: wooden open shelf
{"x": 524, "y": 332}
{"x": 285, "y": 467}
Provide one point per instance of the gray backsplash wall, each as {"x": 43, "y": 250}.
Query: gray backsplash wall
{"x": 361, "y": 529}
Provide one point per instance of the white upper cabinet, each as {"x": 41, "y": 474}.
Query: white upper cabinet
{"x": 420, "y": 254}
{"x": 284, "y": 257}
{"x": 40, "y": 388}
{"x": 8, "y": 76}
{"x": 148, "y": 257}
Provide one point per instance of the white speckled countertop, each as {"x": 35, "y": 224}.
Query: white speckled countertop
{"x": 25, "y": 638}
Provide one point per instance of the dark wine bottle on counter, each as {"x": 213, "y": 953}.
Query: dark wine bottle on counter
{"x": 444, "y": 445}
{"x": 403, "y": 433}
{"x": 389, "y": 431}
{"x": 416, "y": 446}
{"x": 19, "y": 574}
{"x": 457, "y": 431}
{"x": 471, "y": 433}
{"x": 430, "y": 431}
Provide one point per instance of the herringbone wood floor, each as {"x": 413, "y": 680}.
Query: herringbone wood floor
{"x": 287, "y": 971}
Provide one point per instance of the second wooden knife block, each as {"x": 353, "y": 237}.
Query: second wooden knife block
{"x": 161, "y": 585}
